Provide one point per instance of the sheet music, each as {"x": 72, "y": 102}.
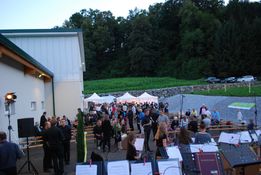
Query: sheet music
{"x": 245, "y": 137}
{"x": 139, "y": 144}
{"x": 118, "y": 168}
{"x": 173, "y": 152}
{"x": 169, "y": 167}
{"x": 229, "y": 138}
{"x": 86, "y": 169}
{"x": 195, "y": 148}
{"x": 141, "y": 168}
{"x": 258, "y": 132}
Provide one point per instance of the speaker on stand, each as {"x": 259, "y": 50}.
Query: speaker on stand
{"x": 26, "y": 129}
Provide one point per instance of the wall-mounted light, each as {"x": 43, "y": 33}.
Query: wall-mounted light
{"x": 10, "y": 97}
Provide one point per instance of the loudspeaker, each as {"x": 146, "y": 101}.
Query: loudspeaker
{"x": 25, "y": 127}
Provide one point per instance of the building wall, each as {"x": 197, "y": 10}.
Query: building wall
{"x": 71, "y": 98}
{"x": 60, "y": 53}
{"x": 27, "y": 88}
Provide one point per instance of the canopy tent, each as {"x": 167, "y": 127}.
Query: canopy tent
{"x": 241, "y": 105}
{"x": 145, "y": 97}
{"x": 93, "y": 98}
{"x": 127, "y": 98}
{"x": 107, "y": 99}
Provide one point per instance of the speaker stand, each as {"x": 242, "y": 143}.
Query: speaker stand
{"x": 28, "y": 162}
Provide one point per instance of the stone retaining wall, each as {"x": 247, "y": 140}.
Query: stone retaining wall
{"x": 168, "y": 92}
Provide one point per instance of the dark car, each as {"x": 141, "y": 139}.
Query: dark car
{"x": 213, "y": 80}
{"x": 229, "y": 80}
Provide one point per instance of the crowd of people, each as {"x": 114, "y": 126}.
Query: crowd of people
{"x": 153, "y": 122}
{"x": 56, "y": 134}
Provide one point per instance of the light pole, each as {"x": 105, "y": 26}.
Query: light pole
{"x": 181, "y": 104}
{"x": 9, "y": 99}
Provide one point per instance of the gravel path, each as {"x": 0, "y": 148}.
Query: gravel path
{"x": 220, "y": 103}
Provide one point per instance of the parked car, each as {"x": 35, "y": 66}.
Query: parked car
{"x": 247, "y": 78}
{"x": 229, "y": 80}
{"x": 213, "y": 80}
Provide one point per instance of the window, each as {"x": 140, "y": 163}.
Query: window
{"x": 43, "y": 107}
{"x": 33, "y": 106}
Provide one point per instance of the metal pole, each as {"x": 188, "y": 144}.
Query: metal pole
{"x": 9, "y": 123}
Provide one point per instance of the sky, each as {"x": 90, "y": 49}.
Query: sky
{"x": 44, "y": 14}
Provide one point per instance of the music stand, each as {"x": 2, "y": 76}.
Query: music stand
{"x": 28, "y": 161}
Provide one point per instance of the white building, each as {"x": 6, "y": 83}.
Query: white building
{"x": 61, "y": 52}
{"x": 30, "y": 81}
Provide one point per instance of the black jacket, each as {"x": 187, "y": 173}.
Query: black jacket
{"x": 66, "y": 130}
{"x": 54, "y": 136}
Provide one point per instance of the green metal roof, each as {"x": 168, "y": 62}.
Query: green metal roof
{"x": 7, "y": 43}
{"x": 61, "y": 30}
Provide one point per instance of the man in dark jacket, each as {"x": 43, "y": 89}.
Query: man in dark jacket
{"x": 97, "y": 131}
{"x": 47, "y": 161}
{"x": 130, "y": 116}
{"x": 43, "y": 120}
{"x": 66, "y": 142}
{"x": 106, "y": 132}
{"x": 9, "y": 153}
{"x": 54, "y": 138}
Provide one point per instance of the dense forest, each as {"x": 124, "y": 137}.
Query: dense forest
{"x": 186, "y": 39}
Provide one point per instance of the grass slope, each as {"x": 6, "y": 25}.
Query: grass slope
{"x": 137, "y": 83}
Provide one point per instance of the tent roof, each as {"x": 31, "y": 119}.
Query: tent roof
{"x": 126, "y": 96}
{"x": 94, "y": 96}
{"x": 146, "y": 95}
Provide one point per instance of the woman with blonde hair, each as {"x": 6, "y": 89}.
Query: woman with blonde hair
{"x": 161, "y": 137}
{"x": 131, "y": 150}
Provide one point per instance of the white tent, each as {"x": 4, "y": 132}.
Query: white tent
{"x": 127, "y": 98}
{"x": 145, "y": 97}
{"x": 107, "y": 99}
{"x": 94, "y": 98}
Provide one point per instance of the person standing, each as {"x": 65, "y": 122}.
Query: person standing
{"x": 47, "y": 161}
{"x": 202, "y": 136}
{"x": 161, "y": 137}
{"x": 163, "y": 117}
{"x": 9, "y": 153}
{"x": 130, "y": 117}
{"x": 146, "y": 123}
{"x": 239, "y": 116}
{"x": 43, "y": 120}
{"x": 106, "y": 132}
{"x": 54, "y": 138}
{"x": 97, "y": 131}
{"x": 131, "y": 150}
{"x": 154, "y": 121}
{"x": 66, "y": 142}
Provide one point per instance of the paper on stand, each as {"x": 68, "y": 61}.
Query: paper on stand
{"x": 139, "y": 144}
{"x": 169, "y": 167}
{"x": 195, "y": 148}
{"x": 229, "y": 138}
{"x": 86, "y": 169}
{"x": 258, "y": 132}
{"x": 174, "y": 153}
{"x": 118, "y": 168}
{"x": 141, "y": 168}
{"x": 245, "y": 137}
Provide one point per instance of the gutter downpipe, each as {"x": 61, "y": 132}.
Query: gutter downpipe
{"x": 53, "y": 97}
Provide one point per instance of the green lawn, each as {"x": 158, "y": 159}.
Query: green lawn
{"x": 239, "y": 92}
{"x": 139, "y": 83}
